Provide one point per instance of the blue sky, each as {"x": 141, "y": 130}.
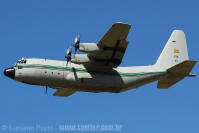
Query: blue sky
{"x": 45, "y": 29}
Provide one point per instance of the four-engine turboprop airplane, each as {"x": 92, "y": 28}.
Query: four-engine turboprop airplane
{"x": 98, "y": 71}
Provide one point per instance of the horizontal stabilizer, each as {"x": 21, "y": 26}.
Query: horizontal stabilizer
{"x": 176, "y": 73}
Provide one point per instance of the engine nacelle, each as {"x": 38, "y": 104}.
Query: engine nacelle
{"x": 88, "y": 47}
{"x": 80, "y": 59}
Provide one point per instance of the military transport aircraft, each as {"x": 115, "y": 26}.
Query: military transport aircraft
{"x": 98, "y": 71}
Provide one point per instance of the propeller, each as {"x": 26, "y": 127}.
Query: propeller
{"x": 46, "y": 90}
{"x": 68, "y": 54}
{"x": 69, "y": 50}
{"x": 77, "y": 41}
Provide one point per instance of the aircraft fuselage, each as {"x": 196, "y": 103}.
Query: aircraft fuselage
{"x": 60, "y": 74}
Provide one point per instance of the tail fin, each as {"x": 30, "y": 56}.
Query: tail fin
{"x": 174, "y": 59}
{"x": 174, "y": 52}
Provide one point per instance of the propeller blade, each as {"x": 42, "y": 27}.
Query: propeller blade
{"x": 68, "y": 53}
{"x": 77, "y": 41}
{"x": 76, "y": 49}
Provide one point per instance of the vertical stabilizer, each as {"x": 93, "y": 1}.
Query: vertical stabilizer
{"x": 174, "y": 52}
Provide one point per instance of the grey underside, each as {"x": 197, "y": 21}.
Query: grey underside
{"x": 110, "y": 88}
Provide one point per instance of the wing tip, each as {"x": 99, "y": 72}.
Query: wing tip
{"x": 121, "y": 23}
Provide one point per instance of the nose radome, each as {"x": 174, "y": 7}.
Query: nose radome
{"x": 10, "y": 72}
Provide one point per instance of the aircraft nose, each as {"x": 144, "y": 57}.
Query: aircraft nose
{"x": 10, "y": 72}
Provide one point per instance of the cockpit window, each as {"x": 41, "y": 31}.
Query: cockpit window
{"x": 22, "y": 61}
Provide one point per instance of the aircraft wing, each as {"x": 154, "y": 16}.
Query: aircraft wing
{"x": 64, "y": 92}
{"x": 113, "y": 45}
